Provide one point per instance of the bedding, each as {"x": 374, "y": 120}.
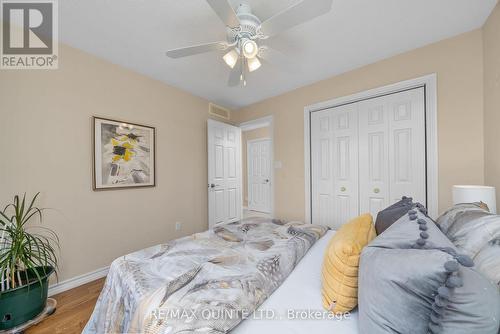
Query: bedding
{"x": 414, "y": 280}
{"x": 475, "y": 232}
{"x": 459, "y": 212}
{"x": 410, "y": 228}
{"x": 208, "y": 282}
{"x": 487, "y": 261}
{"x": 301, "y": 291}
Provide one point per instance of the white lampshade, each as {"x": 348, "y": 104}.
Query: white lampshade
{"x": 253, "y": 64}
{"x": 231, "y": 58}
{"x": 471, "y": 194}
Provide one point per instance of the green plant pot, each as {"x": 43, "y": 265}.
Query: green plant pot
{"x": 24, "y": 303}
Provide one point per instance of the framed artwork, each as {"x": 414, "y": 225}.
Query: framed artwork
{"x": 124, "y": 154}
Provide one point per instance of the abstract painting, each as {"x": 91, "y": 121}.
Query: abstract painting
{"x": 124, "y": 154}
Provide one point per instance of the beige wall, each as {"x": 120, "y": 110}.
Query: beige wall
{"x": 245, "y": 137}
{"x": 45, "y": 141}
{"x": 458, "y": 63}
{"x": 491, "y": 40}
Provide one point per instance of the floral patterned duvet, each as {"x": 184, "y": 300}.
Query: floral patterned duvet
{"x": 205, "y": 283}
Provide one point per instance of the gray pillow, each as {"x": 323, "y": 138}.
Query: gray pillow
{"x": 417, "y": 291}
{"x": 396, "y": 288}
{"x": 474, "y": 231}
{"x": 450, "y": 216}
{"x": 487, "y": 261}
{"x": 413, "y": 230}
{"x": 390, "y": 215}
{"x": 472, "y": 308}
{"x": 414, "y": 283}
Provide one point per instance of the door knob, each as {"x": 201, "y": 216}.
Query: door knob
{"x": 266, "y": 180}
{"x": 343, "y": 189}
{"x": 213, "y": 185}
{"x": 376, "y": 190}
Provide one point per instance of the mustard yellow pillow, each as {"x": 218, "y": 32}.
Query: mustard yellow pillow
{"x": 339, "y": 276}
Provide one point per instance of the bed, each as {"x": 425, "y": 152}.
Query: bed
{"x": 230, "y": 272}
{"x": 301, "y": 291}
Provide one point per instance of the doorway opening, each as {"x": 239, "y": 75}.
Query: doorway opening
{"x": 257, "y": 168}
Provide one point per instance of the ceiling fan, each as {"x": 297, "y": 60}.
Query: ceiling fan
{"x": 245, "y": 32}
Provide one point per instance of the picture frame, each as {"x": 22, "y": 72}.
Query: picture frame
{"x": 123, "y": 154}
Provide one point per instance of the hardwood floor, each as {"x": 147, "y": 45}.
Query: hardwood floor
{"x": 74, "y": 308}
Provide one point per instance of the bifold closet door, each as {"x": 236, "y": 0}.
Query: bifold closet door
{"x": 367, "y": 155}
{"x": 391, "y": 150}
{"x": 334, "y": 154}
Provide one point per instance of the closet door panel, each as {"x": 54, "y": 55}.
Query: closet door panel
{"x": 345, "y": 168}
{"x": 407, "y": 162}
{"x": 374, "y": 188}
{"x": 322, "y": 164}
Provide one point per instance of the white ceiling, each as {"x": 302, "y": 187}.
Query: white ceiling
{"x": 136, "y": 34}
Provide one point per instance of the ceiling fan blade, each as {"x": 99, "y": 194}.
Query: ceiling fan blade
{"x": 196, "y": 49}
{"x": 235, "y": 74}
{"x": 225, "y": 12}
{"x": 297, "y": 14}
{"x": 278, "y": 59}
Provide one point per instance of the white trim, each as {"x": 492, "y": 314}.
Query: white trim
{"x": 76, "y": 281}
{"x": 257, "y": 140}
{"x": 258, "y": 123}
{"x": 430, "y": 84}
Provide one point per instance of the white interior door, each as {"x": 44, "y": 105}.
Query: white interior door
{"x": 259, "y": 175}
{"x": 334, "y": 154}
{"x": 224, "y": 173}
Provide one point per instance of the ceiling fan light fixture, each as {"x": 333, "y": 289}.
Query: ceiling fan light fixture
{"x": 249, "y": 48}
{"x": 231, "y": 58}
{"x": 253, "y": 64}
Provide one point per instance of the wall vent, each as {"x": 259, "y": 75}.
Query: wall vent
{"x": 218, "y": 111}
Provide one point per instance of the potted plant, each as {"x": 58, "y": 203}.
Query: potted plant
{"x": 27, "y": 259}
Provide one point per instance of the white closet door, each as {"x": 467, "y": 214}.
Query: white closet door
{"x": 389, "y": 134}
{"x": 407, "y": 158}
{"x": 374, "y": 188}
{"x": 322, "y": 202}
{"x": 334, "y": 165}
{"x": 391, "y": 150}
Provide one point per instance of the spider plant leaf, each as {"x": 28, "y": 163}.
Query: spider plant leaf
{"x": 21, "y": 250}
{"x": 4, "y": 215}
{"x": 16, "y": 206}
{"x": 30, "y": 214}
{"x": 33, "y": 201}
{"x": 21, "y": 209}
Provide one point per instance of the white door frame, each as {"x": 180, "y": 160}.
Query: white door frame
{"x": 253, "y": 141}
{"x": 429, "y": 82}
{"x": 263, "y": 122}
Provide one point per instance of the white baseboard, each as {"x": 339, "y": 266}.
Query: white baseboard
{"x": 74, "y": 282}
